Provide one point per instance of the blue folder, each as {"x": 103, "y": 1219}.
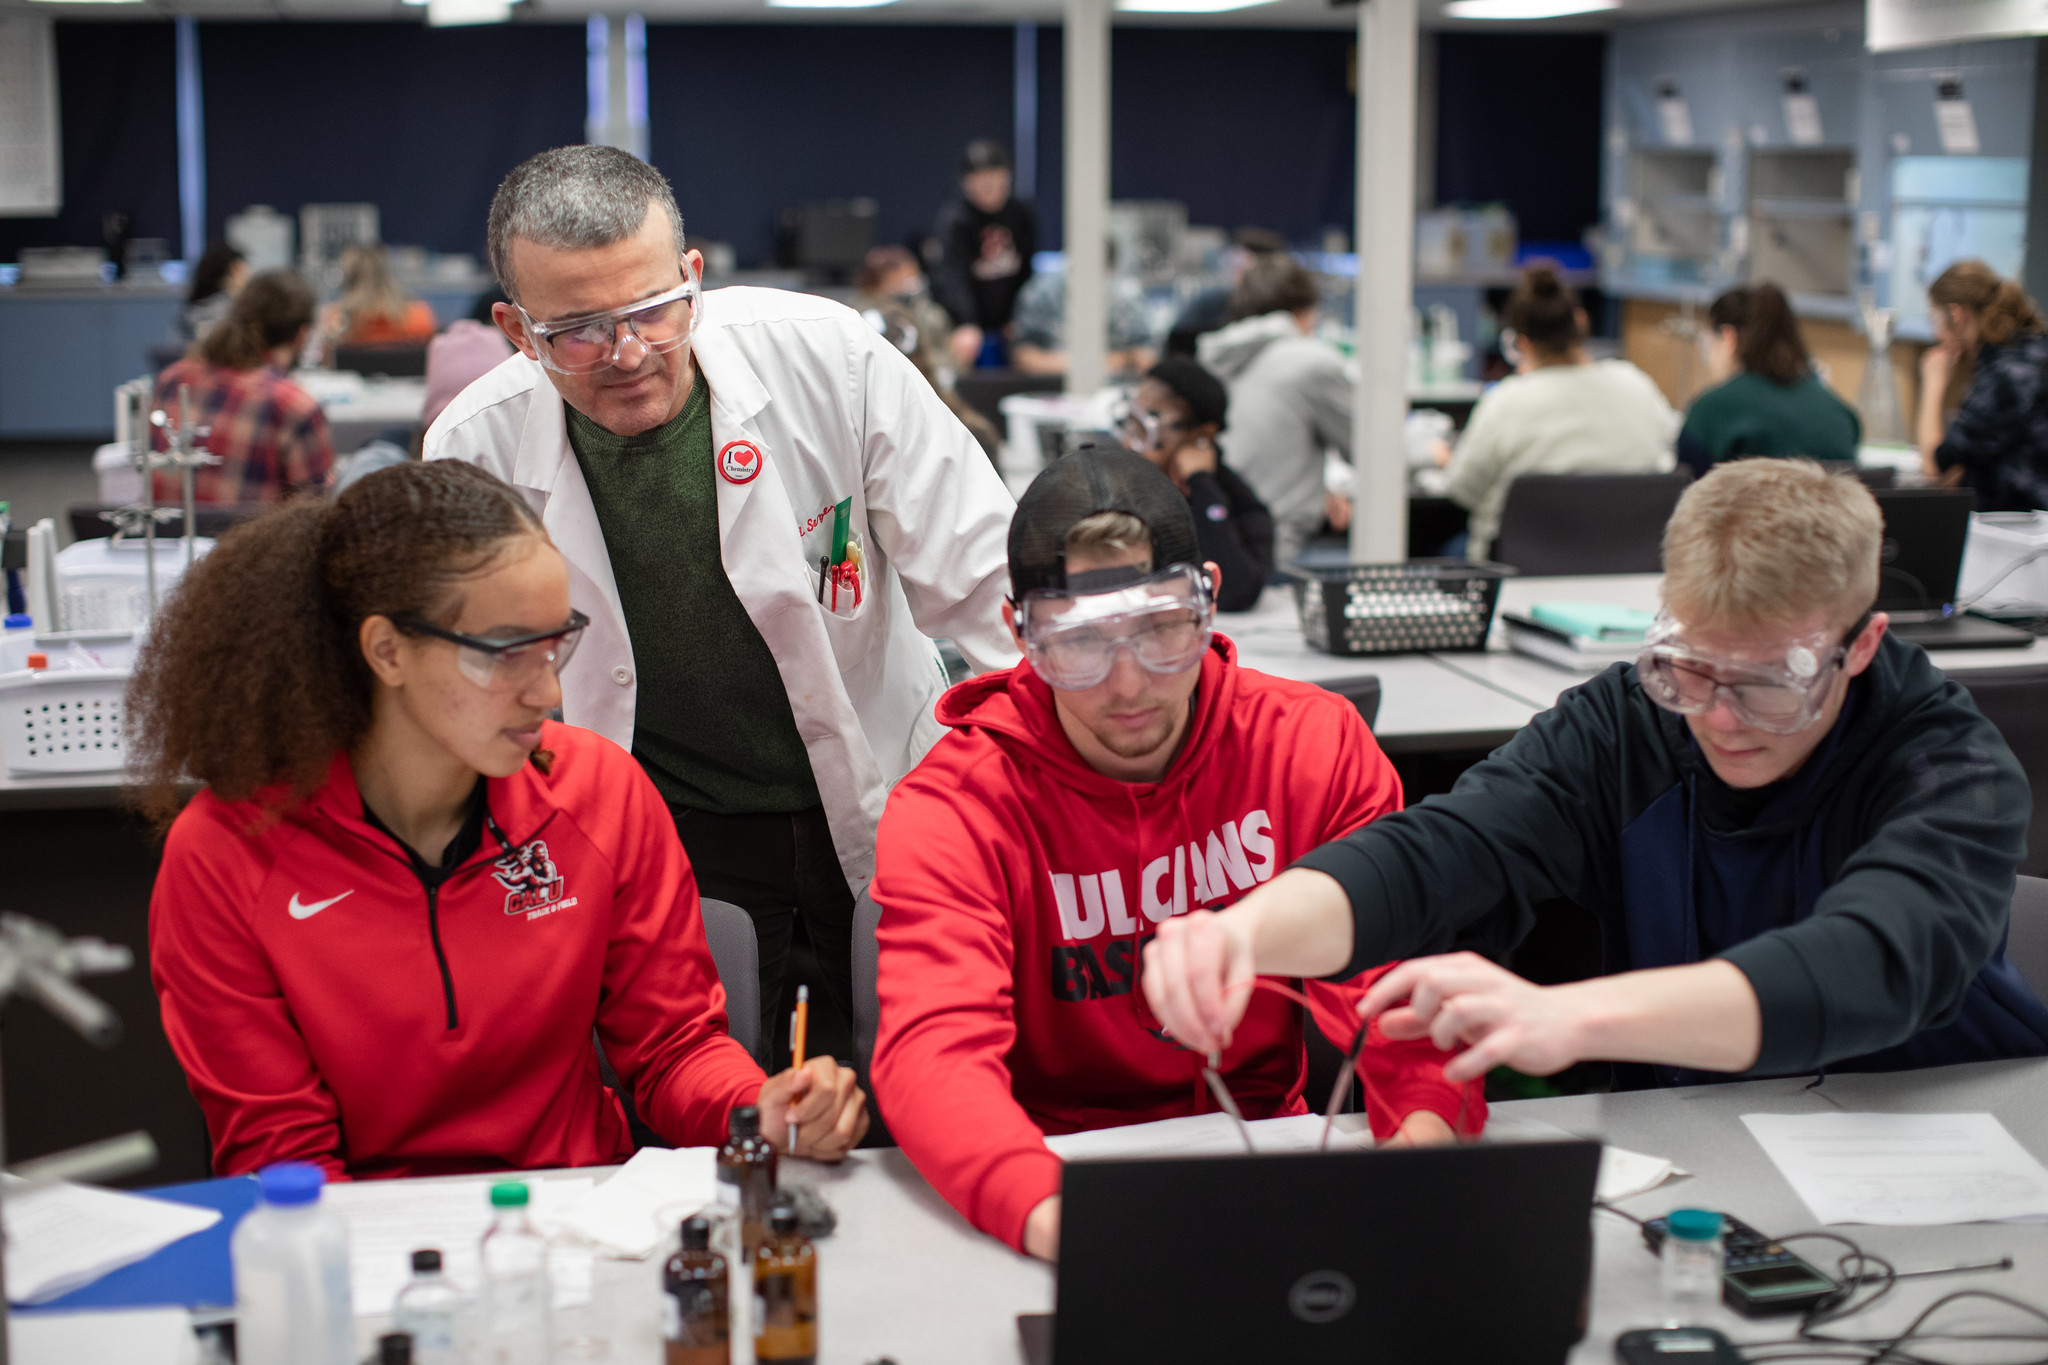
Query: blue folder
{"x": 193, "y": 1272}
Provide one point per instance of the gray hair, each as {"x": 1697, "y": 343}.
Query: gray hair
{"x": 574, "y": 197}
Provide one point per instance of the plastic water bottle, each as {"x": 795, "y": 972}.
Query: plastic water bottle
{"x": 1691, "y": 1267}
{"x": 429, "y": 1309}
{"x": 291, "y": 1274}
{"x": 517, "y": 1298}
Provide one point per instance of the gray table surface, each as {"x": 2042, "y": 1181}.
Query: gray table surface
{"x": 906, "y": 1277}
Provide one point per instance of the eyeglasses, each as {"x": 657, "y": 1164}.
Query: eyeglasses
{"x": 1072, "y": 638}
{"x": 509, "y": 663}
{"x": 590, "y": 342}
{"x": 1778, "y": 698}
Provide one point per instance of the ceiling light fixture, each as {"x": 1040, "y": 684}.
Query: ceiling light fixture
{"x": 1185, "y": 6}
{"x": 452, "y": 13}
{"x": 828, "y": 4}
{"x": 1525, "y": 9}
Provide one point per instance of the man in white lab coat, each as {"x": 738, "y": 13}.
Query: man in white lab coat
{"x": 767, "y": 513}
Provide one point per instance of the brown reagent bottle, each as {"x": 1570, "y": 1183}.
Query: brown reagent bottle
{"x": 695, "y": 1309}
{"x": 785, "y": 1294}
{"x": 747, "y": 1160}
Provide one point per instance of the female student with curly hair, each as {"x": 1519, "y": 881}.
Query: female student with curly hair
{"x": 1989, "y": 365}
{"x": 384, "y": 932}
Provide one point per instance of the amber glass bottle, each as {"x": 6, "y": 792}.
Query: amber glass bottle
{"x": 695, "y": 1321}
{"x": 748, "y": 1161}
{"x": 785, "y": 1294}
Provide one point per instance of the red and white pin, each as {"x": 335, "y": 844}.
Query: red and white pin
{"x": 739, "y": 461}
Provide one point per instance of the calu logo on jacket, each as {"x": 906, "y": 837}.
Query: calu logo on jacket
{"x": 1232, "y": 859}
{"x": 533, "y": 884}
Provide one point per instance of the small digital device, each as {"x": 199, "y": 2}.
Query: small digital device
{"x": 1675, "y": 1346}
{"x": 1759, "y": 1277}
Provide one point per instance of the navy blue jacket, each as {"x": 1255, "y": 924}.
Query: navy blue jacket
{"x": 1865, "y": 897}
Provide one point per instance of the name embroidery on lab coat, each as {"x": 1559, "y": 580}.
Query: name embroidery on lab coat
{"x": 739, "y": 462}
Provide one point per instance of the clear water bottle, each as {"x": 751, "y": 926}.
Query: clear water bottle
{"x": 517, "y": 1297}
{"x": 1691, "y": 1267}
{"x": 291, "y": 1274}
{"x": 429, "y": 1309}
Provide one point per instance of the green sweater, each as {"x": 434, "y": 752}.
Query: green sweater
{"x": 712, "y": 725}
{"x": 1750, "y": 415}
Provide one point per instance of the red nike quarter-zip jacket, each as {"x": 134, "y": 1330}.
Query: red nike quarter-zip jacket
{"x": 1018, "y": 887}
{"x": 328, "y": 1007}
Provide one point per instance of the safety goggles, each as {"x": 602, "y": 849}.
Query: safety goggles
{"x": 590, "y": 342}
{"x": 1781, "y": 696}
{"x": 1141, "y": 431}
{"x": 508, "y": 663}
{"x": 1072, "y": 636}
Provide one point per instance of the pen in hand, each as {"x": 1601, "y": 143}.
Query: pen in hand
{"x": 797, "y": 1023}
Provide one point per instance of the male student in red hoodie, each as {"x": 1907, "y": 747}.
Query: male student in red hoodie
{"x": 1127, "y": 772}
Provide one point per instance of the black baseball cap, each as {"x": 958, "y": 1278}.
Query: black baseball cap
{"x": 1097, "y": 477}
{"x": 985, "y": 154}
{"x": 1207, "y": 399}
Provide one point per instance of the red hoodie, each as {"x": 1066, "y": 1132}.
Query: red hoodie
{"x": 328, "y": 1009}
{"x": 1018, "y": 885}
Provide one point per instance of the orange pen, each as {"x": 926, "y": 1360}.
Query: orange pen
{"x": 797, "y": 1023}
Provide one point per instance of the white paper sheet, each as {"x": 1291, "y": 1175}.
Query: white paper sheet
{"x": 640, "y": 1203}
{"x": 1907, "y": 1170}
{"x": 1622, "y": 1173}
{"x": 388, "y": 1220}
{"x": 116, "y": 1336}
{"x": 64, "y": 1235}
{"x": 1209, "y": 1135}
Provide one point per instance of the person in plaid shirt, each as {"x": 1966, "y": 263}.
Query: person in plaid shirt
{"x": 269, "y": 433}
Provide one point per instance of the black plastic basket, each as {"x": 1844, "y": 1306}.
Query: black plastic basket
{"x": 1441, "y": 605}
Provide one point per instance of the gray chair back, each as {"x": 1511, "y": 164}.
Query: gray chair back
{"x": 1587, "y": 523}
{"x": 736, "y": 950}
{"x": 2016, "y": 701}
{"x": 867, "y": 999}
{"x": 2027, "y": 948}
{"x": 1362, "y": 692}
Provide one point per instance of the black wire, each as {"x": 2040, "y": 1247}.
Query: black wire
{"x": 1603, "y": 1204}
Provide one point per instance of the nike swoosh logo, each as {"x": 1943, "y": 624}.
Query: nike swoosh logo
{"x": 308, "y": 911}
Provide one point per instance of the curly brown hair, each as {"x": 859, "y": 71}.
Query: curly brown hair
{"x": 252, "y": 676}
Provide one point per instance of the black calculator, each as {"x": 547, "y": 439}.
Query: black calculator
{"x": 1758, "y": 1275}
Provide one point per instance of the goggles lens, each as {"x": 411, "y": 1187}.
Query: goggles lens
{"x": 587, "y": 344}
{"x": 506, "y": 665}
{"x": 1778, "y": 698}
{"x": 1164, "y": 621}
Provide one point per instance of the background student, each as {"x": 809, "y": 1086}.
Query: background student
{"x": 1798, "y": 835}
{"x": 1128, "y": 772}
{"x": 1766, "y": 398}
{"x": 1173, "y": 420}
{"x": 383, "y": 933}
{"x": 1561, "y": 412}
{"x": 986, "y": 239}
{"x": 1988, "y": 367}
{"x": 270, "y": 434}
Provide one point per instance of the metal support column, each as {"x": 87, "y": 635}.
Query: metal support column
{"x": 615, "y": 79}
{"x": 1385, "y": 239}
{"x": 1087, "y": 194}
{"x": 1024, "y": 121}
{"x": 191, "y": 143}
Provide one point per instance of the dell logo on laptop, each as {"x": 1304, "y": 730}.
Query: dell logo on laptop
{"x": 1322, "y": 1296}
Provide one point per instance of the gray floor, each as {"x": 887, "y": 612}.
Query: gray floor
{"x": 43, "y": 478}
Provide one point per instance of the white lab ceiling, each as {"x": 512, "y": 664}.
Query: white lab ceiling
{"x": 1277, "y": 13}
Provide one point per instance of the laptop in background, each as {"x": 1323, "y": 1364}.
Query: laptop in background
{"x": 1924, "y": 533}
{"x": 1458, "y": 1255}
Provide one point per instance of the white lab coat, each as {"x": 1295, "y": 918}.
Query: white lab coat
{"x": 834, "y": 412}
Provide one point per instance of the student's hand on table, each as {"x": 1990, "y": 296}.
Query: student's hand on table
{"x": 1198, "y": 975}
{"x": 1423, "y": 1128}
{"x": 1042, "y": 1229}
{"x": 830, "y": 1110}
{"x": 1461, "y": 1000}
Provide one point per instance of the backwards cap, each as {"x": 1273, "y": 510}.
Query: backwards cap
{"x": 1095, "y": 478}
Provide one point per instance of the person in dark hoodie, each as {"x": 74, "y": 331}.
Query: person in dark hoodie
{"x": 1799, "y": 837}
{"x": 1173, "y": 421}
{"x": 1127, "y": 772}
{"x": 986, "y": 239}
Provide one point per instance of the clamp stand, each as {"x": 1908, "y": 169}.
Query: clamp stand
{"x": 40, "y": 963}
{"x": 183, "y": 454}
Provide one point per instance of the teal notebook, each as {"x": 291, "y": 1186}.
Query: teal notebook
{"x": 1602, "y": 621}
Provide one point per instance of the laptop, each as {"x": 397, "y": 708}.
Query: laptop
{"x": 1924, "y": 533}
{"x": 1457, "y": 1255}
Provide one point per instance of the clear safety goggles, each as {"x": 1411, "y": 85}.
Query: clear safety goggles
{"x": 1780, "y": 696}
{"x": 1072, "y": 636}
{"x": 509, "y": 663}
{"x": 1142, "y": 431}
{"x": 590, "y": 342}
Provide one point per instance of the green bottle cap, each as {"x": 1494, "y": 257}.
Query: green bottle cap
{"x": 510, "y": 1195}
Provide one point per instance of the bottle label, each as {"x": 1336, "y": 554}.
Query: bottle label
{"x": 671, "y": 1318}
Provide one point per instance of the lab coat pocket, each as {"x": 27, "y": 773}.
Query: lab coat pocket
{"x": 842, "y": 589}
